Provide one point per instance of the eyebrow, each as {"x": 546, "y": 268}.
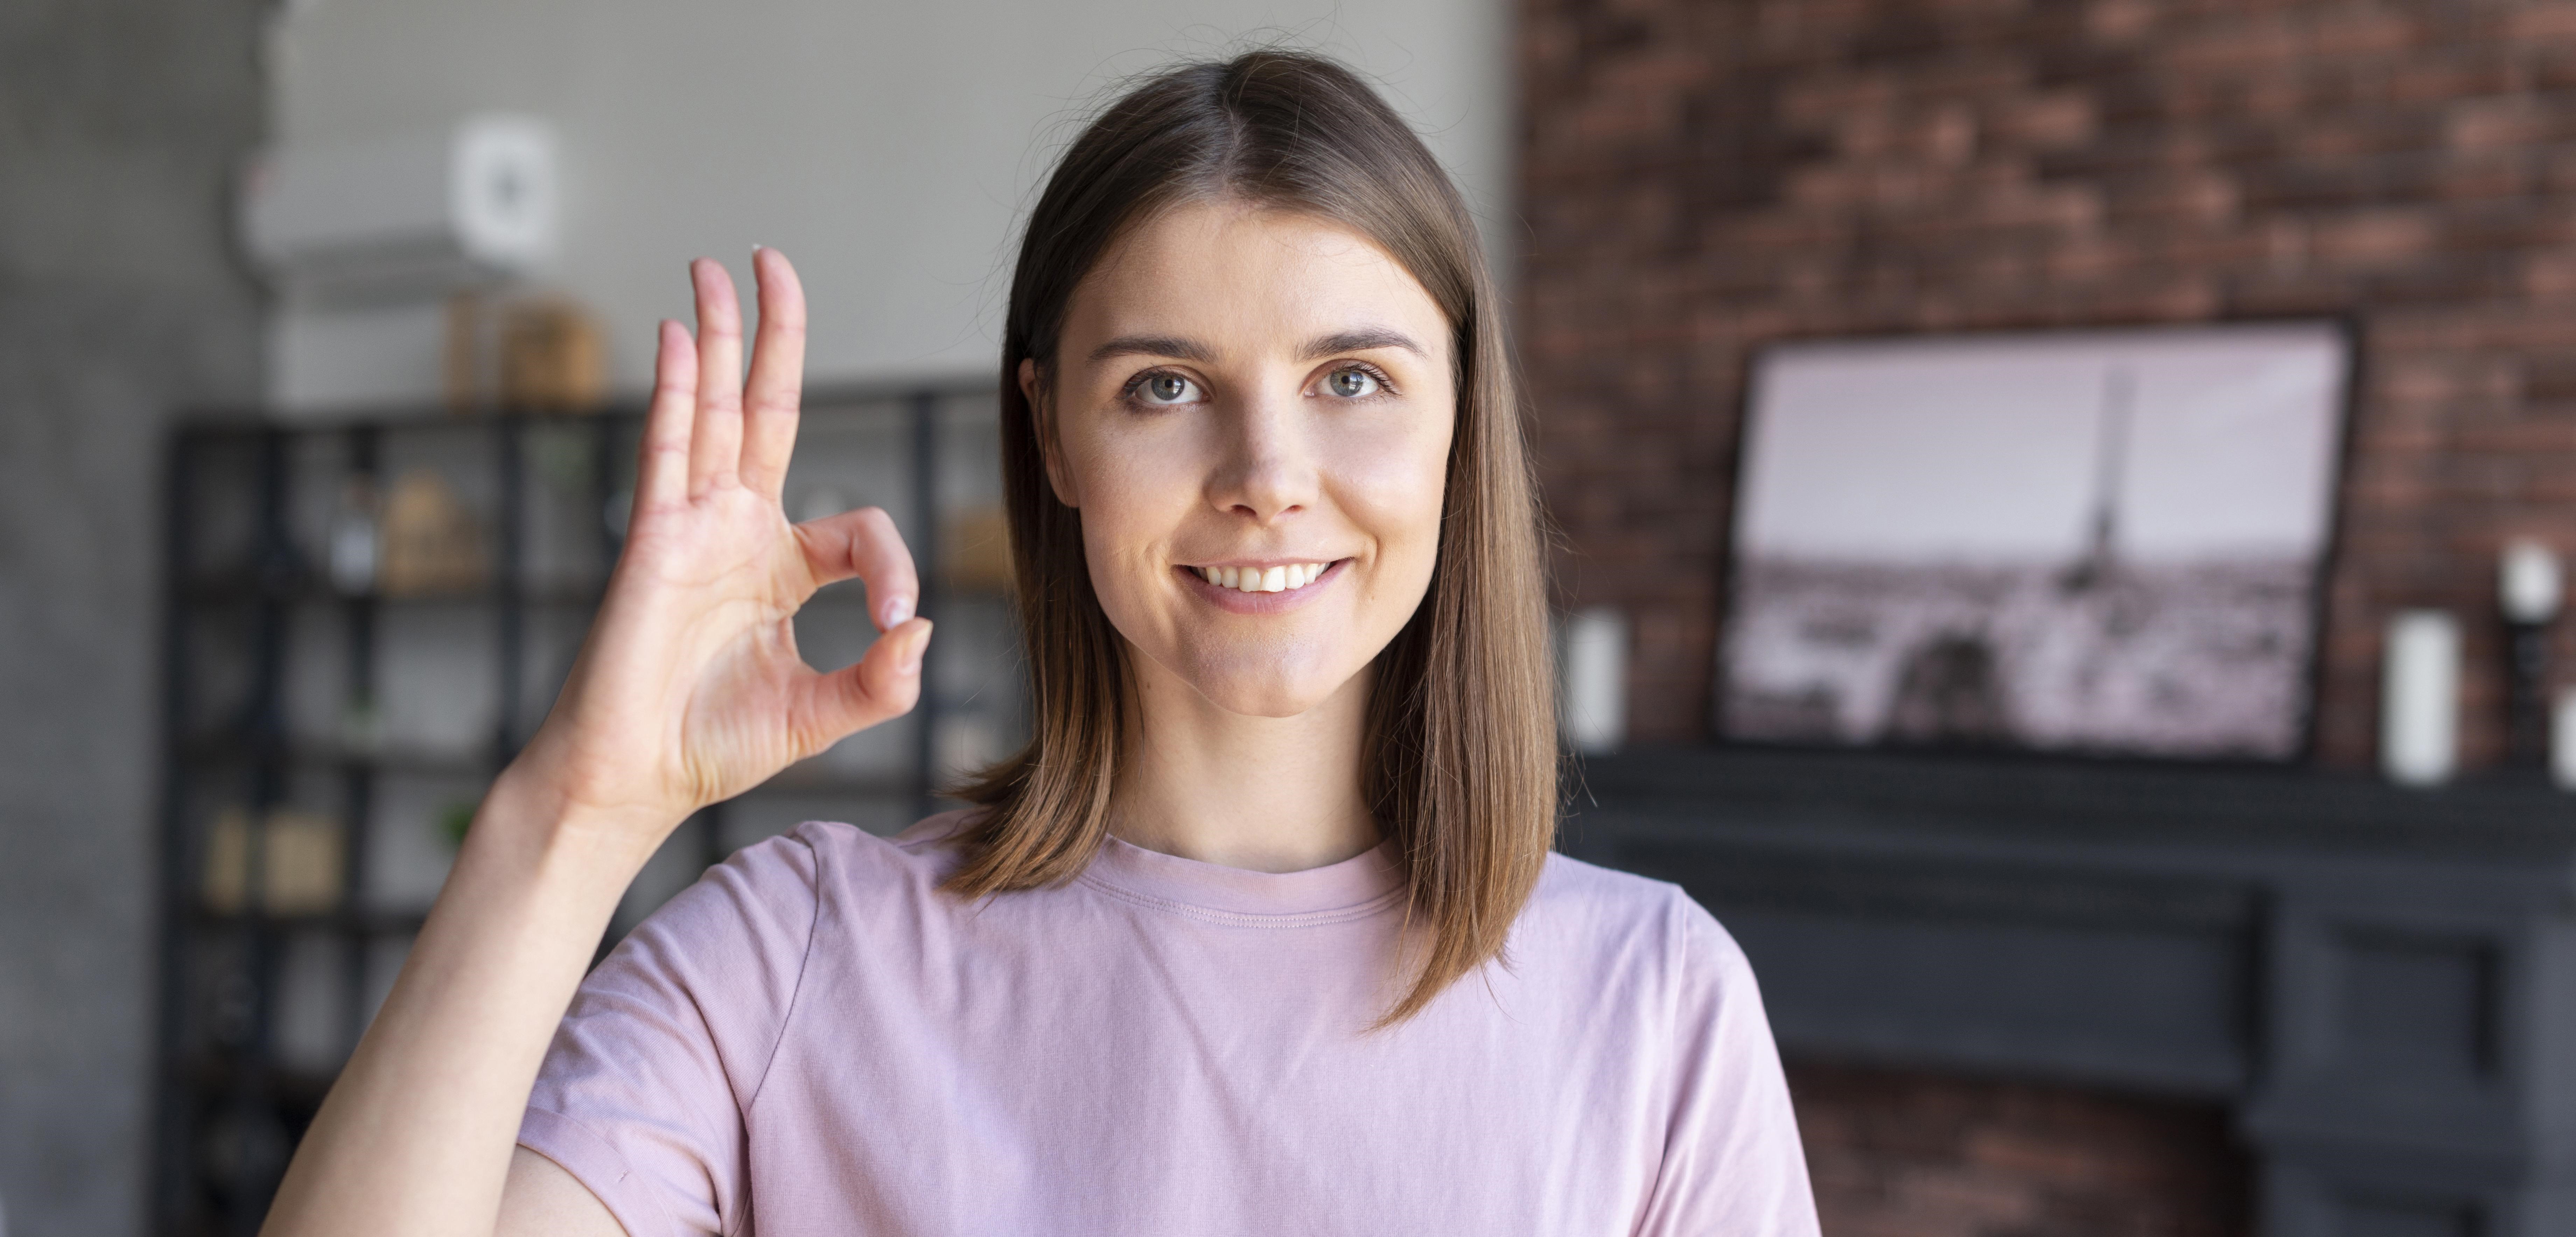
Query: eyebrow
{"x": 1361, "y": 339}
{"x": 1154, "y": 345}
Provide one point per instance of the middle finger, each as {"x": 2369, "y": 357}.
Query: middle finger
{"x": 715, "y": 441}
{"x": 777, "y": 374}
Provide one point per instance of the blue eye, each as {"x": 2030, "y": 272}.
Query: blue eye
{"x": 1166, "y": 388}
{"x": 1351, "y": 383}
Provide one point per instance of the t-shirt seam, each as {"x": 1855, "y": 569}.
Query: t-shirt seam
{"x": 625, "y": 1167}
{"x": 1677, "y": 936}
{"x": 1244, "y": 919}
{"x": 804, "y": 963}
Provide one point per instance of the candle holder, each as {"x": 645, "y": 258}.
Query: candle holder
{"x": 2528, "y": 592}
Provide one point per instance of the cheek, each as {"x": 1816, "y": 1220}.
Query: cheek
{"x": 1391, "y": 483}
{"x": 1136, "y": 490}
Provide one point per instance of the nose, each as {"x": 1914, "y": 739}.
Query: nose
{"x": 1268, "y": 468}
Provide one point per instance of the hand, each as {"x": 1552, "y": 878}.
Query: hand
{"x": 689, "y": 688}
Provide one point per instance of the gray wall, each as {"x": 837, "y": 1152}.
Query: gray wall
{"x": 887, "y": 147}
{"x": 119, "y": 301}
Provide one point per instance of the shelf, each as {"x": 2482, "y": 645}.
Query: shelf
{"x": 219, "y": 1075}
{"x": 235, "y": 589}
{"x": 360, "y": 921}
{"x": 261, "y": 641}
{"x": 238, "y": 590}
{"x": 2068, "y": 801}
{"x": 424, "y": 762}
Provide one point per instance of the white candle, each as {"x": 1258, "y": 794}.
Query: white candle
{"x": 2527, "y": 581}
{"x": 1596, "y": 679}
{"x": 2419, "y": 698}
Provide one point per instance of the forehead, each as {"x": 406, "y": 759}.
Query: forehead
{"x": 1246, "y": 277}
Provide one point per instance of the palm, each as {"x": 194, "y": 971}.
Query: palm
{"x": 690, "y": 688}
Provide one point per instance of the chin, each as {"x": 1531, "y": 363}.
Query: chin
{"x": 1264, "y": 684}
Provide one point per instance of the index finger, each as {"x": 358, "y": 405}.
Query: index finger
{"x": 777, "y": 374}
{"x": 865, "y": 544}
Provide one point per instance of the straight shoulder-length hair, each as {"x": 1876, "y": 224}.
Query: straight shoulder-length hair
{"x": 1459, "y": 758}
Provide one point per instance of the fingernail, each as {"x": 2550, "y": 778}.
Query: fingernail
{"x": 912, "y": 656}
{"x": 897, "y": 609}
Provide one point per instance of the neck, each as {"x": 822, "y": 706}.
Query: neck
{"x": 1271, "y": 794}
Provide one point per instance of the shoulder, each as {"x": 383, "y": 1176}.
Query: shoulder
{"x": 1627, "y": 920}
{"x": 768, "y": 897}
{"x": 840, "y": 860}
{"x": 1590, "y": 896}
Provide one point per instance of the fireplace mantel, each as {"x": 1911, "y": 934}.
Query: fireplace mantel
{"x": 2379, "y": 982}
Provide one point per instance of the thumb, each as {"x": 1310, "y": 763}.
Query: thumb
{"x": 884, "y": 684}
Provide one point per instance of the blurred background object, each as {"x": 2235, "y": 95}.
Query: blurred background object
{"x": 2109, "y": 542}
{"x": 2419, "y": 713}
{"x": 1593, "y": 660}
{"x": 551, "y": 358}
{"x": 414, "y": 213}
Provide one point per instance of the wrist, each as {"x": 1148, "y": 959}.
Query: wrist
{"x": 534, "y": 815}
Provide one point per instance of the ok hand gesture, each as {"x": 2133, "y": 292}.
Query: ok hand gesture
{"x": 689, "y": 688}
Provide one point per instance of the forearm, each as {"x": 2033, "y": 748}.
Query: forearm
{"x": 415, "y": 1138}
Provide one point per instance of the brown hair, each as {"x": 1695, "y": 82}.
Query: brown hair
{"x": 1460, "y": 753}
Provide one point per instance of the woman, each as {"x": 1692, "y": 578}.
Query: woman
{"x": 1261, "y": 931}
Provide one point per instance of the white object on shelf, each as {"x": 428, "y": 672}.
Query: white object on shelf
{"x": 2528, "y": 581}
{"x": 1595, "y": 682}
{"x": 2419, "y": 704}
{"x": 405, "y": 216}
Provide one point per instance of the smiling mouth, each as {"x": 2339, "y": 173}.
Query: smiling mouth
{"x": 1262, "y": 579}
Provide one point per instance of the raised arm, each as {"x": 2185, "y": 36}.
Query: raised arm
{"x": 687, "y": 690}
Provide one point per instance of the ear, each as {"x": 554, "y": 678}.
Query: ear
{"x": 1042, "y": 419}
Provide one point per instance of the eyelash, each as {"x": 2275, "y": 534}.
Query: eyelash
{"x": 1127, "y": 394}
{"x": 1385, "y": 384}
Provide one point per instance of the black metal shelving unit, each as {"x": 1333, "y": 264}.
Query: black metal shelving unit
{"x": 259, "y": 632}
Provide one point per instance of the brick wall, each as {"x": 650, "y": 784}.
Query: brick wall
{"x": 1699, "y": 178}
{"x": 1902, "y": 1155}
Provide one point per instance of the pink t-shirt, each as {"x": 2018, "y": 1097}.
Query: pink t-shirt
{"x": 814, "y": 1040}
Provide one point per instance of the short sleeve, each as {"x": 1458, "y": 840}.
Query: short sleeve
{"x": 642, "y": 1093}
{"x": 1732, "y": 1161}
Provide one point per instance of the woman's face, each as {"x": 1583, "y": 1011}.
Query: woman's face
{"x": 1252, "y": 410}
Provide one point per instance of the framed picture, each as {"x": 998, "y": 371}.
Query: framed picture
{"x": 2098, "y": 541}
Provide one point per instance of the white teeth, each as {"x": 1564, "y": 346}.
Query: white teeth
{"x": 1263, "y": 580}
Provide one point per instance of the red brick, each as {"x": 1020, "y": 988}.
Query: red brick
{"x": 1748, "y": 173}
{"x": 2555, "y": 19}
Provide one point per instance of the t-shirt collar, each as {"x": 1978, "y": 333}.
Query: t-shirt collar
{"x": 1357, "y": 883}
